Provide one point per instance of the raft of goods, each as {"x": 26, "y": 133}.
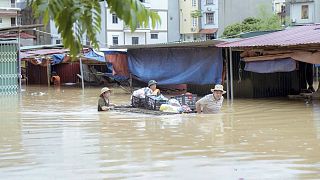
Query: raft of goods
{"x": 159, "y": 105}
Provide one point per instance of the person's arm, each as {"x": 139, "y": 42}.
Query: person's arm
{"x": 102, "y": 106}
{"x": 199, "y": 104}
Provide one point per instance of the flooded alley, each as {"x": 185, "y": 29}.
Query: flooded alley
{"x": 49, "y": 133}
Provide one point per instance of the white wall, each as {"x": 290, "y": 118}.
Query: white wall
{"x": 110, "y": 25}
{"x": 120, "y": 37}
{"x": 6, "y": 22}
{"x": 164, "y": 21}
{"x": 159, "y": 4}
{"x": 128, "y": 37}
{"x": 54, "y": 33}
{"x": 101, "y": 37}
{"x": 296, "y": 10}
{"x": 162, "y": 38}
{"x": 210, "y": 8}
{"x": 5, "y": 3}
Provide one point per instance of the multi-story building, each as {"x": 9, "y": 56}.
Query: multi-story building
{"x": 115, "y": 32}
{"x": 279, "y": 8}
{"x": 189, "y": 19}
{"x": 303, "y": 11}
{"x": 8, "y": 13}
{"x": 209, "y": 19}
{"x": 235, "y": 11}
{"x": 198, "y": 19}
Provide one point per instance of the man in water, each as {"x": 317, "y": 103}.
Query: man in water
{"x": 211, "y": 103}
{"x": 104, "y": 101}
{"x": 55, "y": 79}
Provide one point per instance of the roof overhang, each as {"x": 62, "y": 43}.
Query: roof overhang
{"x": 208, "y": 43}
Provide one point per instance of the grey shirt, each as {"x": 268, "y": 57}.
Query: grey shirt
{"x": 209, "y": 104}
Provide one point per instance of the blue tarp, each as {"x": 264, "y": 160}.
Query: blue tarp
{"x": 57, "y": 58}
{"x": 177, "y": 65}
{"x": 95, "y": 56}
{"x": 283, "y": 65}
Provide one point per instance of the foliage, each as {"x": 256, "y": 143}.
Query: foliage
{"x": 264, "y": 22}
{"x": 196, "y": 14}
{"x": 76, "y": 18}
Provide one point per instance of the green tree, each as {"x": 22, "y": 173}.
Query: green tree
{"x": 74, "y": 18}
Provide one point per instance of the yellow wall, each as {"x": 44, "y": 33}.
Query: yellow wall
{"x": 185, "y": 16}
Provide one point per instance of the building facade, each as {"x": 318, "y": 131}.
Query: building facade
{"x": 302, "y": 12}
{"x": 189, "y": 20}
{"x": 235, "y": 11}
{"x": 209, "y": 19}
{"x": 8, "y": 13}
{"x": 117, "y": 33}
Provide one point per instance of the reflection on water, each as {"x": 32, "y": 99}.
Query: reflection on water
{"x": 58, "y": 134}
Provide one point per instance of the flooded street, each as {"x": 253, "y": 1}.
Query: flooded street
{"x": 58, "y": 134}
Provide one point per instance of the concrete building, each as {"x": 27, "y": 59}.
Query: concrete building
{"x": 173, "y": 21}
{"x": 209, "y": 19}
{"x": 235, "y": 11}
{"x": 189, "y": 25}
{"x": 115, "y": 32}
{"x": 216, "y": 15}
{"x": 303, "y": 11}
{"x": 8, "y": 13}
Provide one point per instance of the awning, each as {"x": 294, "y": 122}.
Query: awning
{"x": 208, "y": 31}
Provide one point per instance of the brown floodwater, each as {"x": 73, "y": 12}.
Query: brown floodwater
{"x": 48, "y": 133}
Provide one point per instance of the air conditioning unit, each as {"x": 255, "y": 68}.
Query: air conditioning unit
{"x": 193, "y": 29}
{"x": 209, "y": 9}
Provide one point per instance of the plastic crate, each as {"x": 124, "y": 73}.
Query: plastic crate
{"x": 153, "y": 104}
{"x": 138, "y": 102}
{"x": 189, "y": 100}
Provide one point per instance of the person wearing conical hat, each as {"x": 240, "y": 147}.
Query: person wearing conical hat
{"x": 104, "y": 101}
{"x": 211, "y": 103}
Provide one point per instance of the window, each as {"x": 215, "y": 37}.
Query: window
{"x": 154, "y": 36}
{"x": 13, "y": 3}
{"x": 58, "y": 41}
{"x": 135, "y": 40}
{"x": 305, "y": 12}
{"x": 194, "y": 2}
{"x": 115, "y": 40}
{"x": 13, "y": 21}
{"x": 0, "y": 20}
{"x": 114, "y": 19}
{"x": 209, "y": 1}
{"x": 209, "y": 18}
{"x": 209, "y": 36}
{"x": 194, "y": 22}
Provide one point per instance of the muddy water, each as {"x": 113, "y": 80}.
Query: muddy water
{"x": 58, "y": 134}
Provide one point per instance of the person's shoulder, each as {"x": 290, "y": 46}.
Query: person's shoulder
{"x": 209, "y": 96}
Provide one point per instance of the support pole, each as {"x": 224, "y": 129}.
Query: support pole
{"x": 19, "y": 60}
{"x": 231, "y": 75}
{"x": 48, "y": 73}
{"x": 131, "y": 88}
{"x": 227, "y": 73}
{"x": 81, "y": 71}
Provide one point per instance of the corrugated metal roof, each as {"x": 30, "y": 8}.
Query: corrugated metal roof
{"x": 171, "y": 45}
{"x": 300, "y": 35}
